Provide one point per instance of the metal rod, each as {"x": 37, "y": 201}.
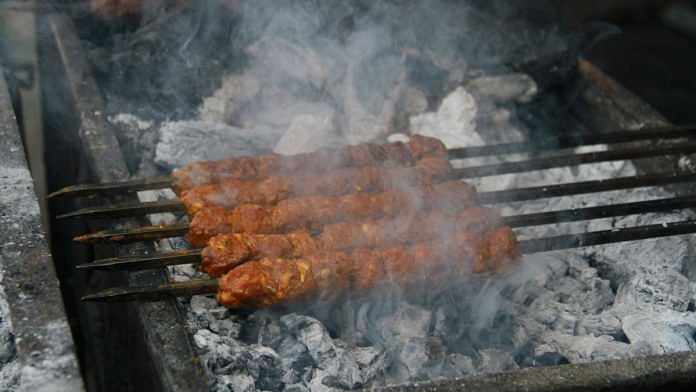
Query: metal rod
{"x": 565, "y": 141}
{"x": 209, "y": 286}
{"x": 575, "y": 140}
{"x": 113, "y": 187}
{"x": 133, "y": 209}
{"x": 578, "y": 188}
{"x": 155, "y": 292}
{"x": 125, "y": 210}
{"x": 137, "y": 263}
{"x": 135, "y": 235}
{"x": 568, "y": 241}
{"x": 573, "y": 159}
{"x": 606, "y": 211}
{"x": 506, "y": 196}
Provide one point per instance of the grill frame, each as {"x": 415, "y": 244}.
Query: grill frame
{"x": 44, "y": 346}
{"x": 603, "y": 105}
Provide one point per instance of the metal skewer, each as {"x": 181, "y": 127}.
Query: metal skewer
{"x": 113, "y": 187}
{"x": 575, "y": 140}
{"x": 125, "y": 210}
{"x": 564, "y": 141}
{"x": 135, "y": 235}
{"x": 155, "y": 292}
{"x": 468, "y": 172}
{"x": 573, "y": 160}
{"x": 158, "y": 232}
{"x": 209, "y": 286}
{"x": 136, "y": 263}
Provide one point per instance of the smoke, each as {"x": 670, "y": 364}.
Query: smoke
{"x": 364, "y": 67}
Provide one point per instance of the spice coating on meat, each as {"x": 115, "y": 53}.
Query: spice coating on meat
{"x": 267, "y": 282}
{"x": 263, "y": 166}
{"x": 313, "y": 212}
{"x": 342, "y": 181}
{"x": 226, "y": 251}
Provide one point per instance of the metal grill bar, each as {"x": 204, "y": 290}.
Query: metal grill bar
{"x": 575, "y": 140}
{"x": 564, "y": 141}
{"x": 209, "y": 286}
{"x": 606, "y": 211}
{"x": 573, "y": 160}
{"x": 578, "y": 188}
{"x": 137, "y": 263}
{"x": 568, "y": 241}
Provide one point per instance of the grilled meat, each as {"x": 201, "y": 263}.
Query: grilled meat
{"x": 267, "y": 282}
{"x": 339, "y": 182}
{"x": 226, "y": 251}
{"x": 313, "y": 212}
{"x": 320, "y": 161}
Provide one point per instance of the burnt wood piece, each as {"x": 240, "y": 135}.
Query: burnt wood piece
{"x": 161, "y": 344}
{"x": 43, "y": 339}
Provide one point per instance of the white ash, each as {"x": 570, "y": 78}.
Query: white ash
{"x": 307, "y": 133}
{"x": 503, "y": 88}
{"x": 9, "y": 364}
{"x": 454, "y": 122}
{"x": 183, "y": 142}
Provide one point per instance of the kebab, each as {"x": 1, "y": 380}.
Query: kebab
{"x": 226, "y": 251}
{"x": 232, "y": 192}
{"x": 313, "y": 212}
{"x": 267, "y": 282}
{"x": 324, "y": 160}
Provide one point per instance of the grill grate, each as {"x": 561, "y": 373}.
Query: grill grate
{"x": 681, "y": 146}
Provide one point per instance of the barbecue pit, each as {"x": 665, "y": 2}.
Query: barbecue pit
{"x": 603, "y": 106}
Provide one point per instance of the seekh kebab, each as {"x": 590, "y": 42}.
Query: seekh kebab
{"x": 227, "y": 251}
{"x": 260, "y": 167}
{"x": 339, "y": 182}
{"x": 267, "y": 282}
{"x": 314, "y": 212}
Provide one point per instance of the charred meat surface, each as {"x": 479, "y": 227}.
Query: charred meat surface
{"x": 262, "y": 167}
{"x": 267, "y": 282}
{"x": 341, "y": 181}
{"x": 313, "y": 212}
{"x": 226, "y": 251}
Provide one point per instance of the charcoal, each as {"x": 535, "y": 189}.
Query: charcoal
{"x": 457, "y": 365}
{"x": 295, "y": 352}
{"x": 319, "y": 344}
{"x": 504, "y": 88}
{"x": 606, "y": 323}
{"x": 453, "y": 123}
{"x": 578, "y": 349}
{"x": 667, "y": 288}
{"x": 270, "y": 332}
{"x": 233, "y": 383}
{"x": 494, "y": 360}
{"x": 226, "y": 327}
{"x": 183, "y": 142}
{"x": 413, "y": 356}
{"x": 663, "y": 329}
{"x": 296, "y": 388}
{"x": 407, "y": 322}
{"x": 7, "y": 346}
{"x": 265, "y": 367}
